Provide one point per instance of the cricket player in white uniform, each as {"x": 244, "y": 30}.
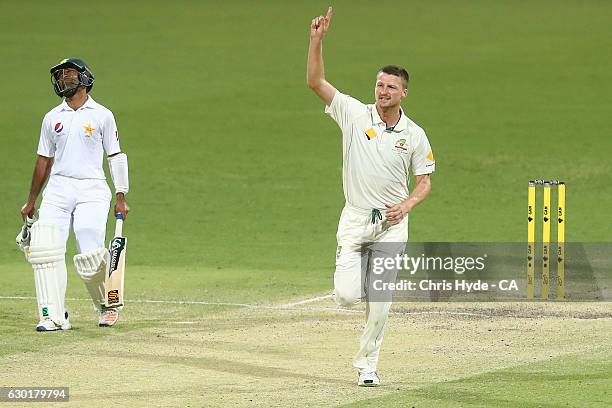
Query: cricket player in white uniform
{"x": 73, "y": 139}
{"x": 381, "y": 146}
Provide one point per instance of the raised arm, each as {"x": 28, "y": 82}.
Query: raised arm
{"x": 315, "y": 73}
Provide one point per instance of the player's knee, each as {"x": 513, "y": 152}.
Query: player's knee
{"x": 346, "y": 298}
{"x": 91, "y": 265}
{"x": 89, "y": 238}
{"x": 46, "y": 245}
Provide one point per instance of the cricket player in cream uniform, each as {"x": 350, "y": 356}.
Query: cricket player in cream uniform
{"x": 381, "y": 147}
{"x": 73, "y": 139}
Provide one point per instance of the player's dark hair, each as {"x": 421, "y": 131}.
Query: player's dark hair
{"x": 397, "y": 71}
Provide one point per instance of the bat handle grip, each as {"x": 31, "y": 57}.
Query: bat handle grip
{"x": 118, "y": 224}
{"x": 29, "y": 221}
{"x": 27, "y": 224}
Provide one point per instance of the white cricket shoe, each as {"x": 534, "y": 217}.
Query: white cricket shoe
{"x": 46, "y": 324}
{"x": 108, "y": 317}
{"x": 368, "y": 380}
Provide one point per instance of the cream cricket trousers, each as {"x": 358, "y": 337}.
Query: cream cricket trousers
{"x": 358, "y": 235}
{"x": 83, "y": 205}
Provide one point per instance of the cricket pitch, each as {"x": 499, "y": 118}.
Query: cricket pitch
{"x": 267, "y": 356}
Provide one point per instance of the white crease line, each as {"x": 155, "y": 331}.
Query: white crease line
{"x": 306, "y": 301}
{"x": 315, "y": 309}
{"x": 168, "y": 302}
{"x": 195, "y": 302}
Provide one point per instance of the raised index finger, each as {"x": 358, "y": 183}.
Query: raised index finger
{"x": 330, "y": 13}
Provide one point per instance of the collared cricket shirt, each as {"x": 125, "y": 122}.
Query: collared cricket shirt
{"x": 377, "y": 162}
{"x": 77, "y": 139}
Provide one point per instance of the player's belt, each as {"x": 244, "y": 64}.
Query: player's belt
{"x": 364, "y": 211}
{"x": 376, "y": 215}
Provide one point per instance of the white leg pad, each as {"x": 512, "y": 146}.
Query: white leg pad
{"x": 47, "y": 256}
{"x": 91, "y": 268}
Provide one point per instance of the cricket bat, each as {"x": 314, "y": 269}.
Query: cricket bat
{"x": 113, "y": 283}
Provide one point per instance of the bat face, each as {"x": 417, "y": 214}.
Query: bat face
{"x": 114, "y": 279}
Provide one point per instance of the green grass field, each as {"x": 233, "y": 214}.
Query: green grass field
{"x": 236, "y": 190}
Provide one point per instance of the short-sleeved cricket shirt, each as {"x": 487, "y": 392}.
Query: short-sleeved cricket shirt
{"x": 77, "y": 139}
{"x": 377, "y": 161}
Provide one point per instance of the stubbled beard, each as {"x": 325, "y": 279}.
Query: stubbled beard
{"x": 69, "y": 93}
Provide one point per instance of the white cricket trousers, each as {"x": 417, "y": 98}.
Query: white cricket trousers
{"x": 82, "y": 204}
{"x": 357, "y": 237}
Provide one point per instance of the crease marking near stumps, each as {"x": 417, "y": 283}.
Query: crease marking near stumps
{"x": 294, "y": 306}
